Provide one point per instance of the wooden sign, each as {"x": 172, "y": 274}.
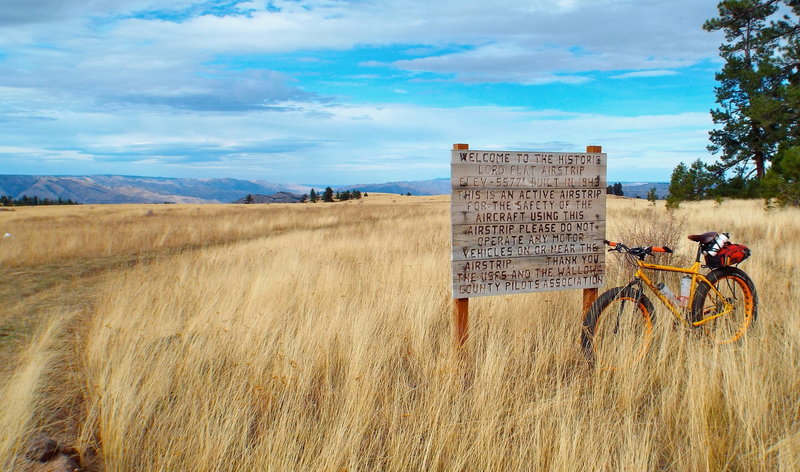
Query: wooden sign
{"x": 527, "y": 221}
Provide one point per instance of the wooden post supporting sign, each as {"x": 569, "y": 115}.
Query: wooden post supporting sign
{"x": 460, "y": 322}
{"x": 590, "y": 294}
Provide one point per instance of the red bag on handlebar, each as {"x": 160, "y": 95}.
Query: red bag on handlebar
{"x": 730, "y": 254}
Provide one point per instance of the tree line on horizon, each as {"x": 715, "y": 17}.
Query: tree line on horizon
{"x": 25, "y": 200}
{"x": 756, "y": 139}
{"x": 329, "y": 196}
{"x": 615, "y": 189}
{"x": 326, "y": 196}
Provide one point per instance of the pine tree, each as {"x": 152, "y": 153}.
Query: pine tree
{"x": 327, "y": 196}
{"x": 781, "y": 185}
{"x": 690, "y": 183}
{"x": 312, "y": 196}
{"x": 751, "y": 117}
{"x": 652, "y": 196}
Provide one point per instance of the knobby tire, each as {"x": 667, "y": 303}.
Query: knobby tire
{"x": 739, "y": 290}
{"x": 618, "y": 328}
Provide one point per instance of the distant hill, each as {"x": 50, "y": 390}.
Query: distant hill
{"x": 416, "y": 187}
{"x": 131, "y": 189}
{"x": 136, "y": 189}
{"x": 442, "y": 187}
{"x": 640, "y": 189}
{"x": 280, "y": 197}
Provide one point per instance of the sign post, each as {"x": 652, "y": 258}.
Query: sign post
{"x": 525, "y": 221}
{"x": 460, "y": 305}
{"x": 590, "y": 294}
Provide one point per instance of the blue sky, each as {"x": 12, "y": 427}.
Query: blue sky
{"x": 349, "y": 91}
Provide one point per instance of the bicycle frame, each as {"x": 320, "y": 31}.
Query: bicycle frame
{"x": 694, "y": 271}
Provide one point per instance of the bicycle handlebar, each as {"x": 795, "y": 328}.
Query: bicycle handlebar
{"x": 640, "y": 251}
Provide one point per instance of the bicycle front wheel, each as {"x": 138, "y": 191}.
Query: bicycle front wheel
{"x": 734, "y": 287}
{"x": 618, "y": 329}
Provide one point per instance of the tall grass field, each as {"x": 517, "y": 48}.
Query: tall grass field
{"x": 316, "y": 337}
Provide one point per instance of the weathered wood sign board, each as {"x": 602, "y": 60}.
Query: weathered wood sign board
{"x": 527, "y": 221}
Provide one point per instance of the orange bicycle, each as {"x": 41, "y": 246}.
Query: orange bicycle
{"x": 618, "y": 328}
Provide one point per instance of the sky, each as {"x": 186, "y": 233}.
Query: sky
{"x": 335, "y": 92}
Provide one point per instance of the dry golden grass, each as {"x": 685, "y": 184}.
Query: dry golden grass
{"x": 47, "y": 235}
{"x": 316, "y": 337}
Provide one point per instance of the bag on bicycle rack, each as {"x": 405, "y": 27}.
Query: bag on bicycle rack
{"x": 729, "y": 254}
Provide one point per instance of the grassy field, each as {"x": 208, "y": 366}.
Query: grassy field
{"x": 316, "y": 337}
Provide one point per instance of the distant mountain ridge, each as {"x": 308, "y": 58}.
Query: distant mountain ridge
{"x": 280, "y": 197}
{"x": 416, "y": 187}
{"x": 134, "y": 189}
{"x": 640, "y": 189}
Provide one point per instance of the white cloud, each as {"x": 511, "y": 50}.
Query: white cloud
{"x": 496, "y": 63}
{"x": 398, "y": 142}
{"x": 106, "y": 87}
{"x": 645, "y": 74}
{"x": 557, "y": 37}
{"x": 53, "y": 11}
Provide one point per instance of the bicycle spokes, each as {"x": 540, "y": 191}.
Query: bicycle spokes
{"x": 619, "y": 315}
{"x": 728, "y": 308}
{"x": 622, "y": 331}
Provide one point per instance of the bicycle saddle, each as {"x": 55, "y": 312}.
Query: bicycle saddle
{"x": 704, "y": 238}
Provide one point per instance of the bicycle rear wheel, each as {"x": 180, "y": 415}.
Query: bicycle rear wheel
{"x": 736, "y": 288}
{"x": 618, "y": 329}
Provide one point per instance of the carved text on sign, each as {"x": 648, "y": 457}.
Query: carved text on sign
{"x": 527, "y": 221}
